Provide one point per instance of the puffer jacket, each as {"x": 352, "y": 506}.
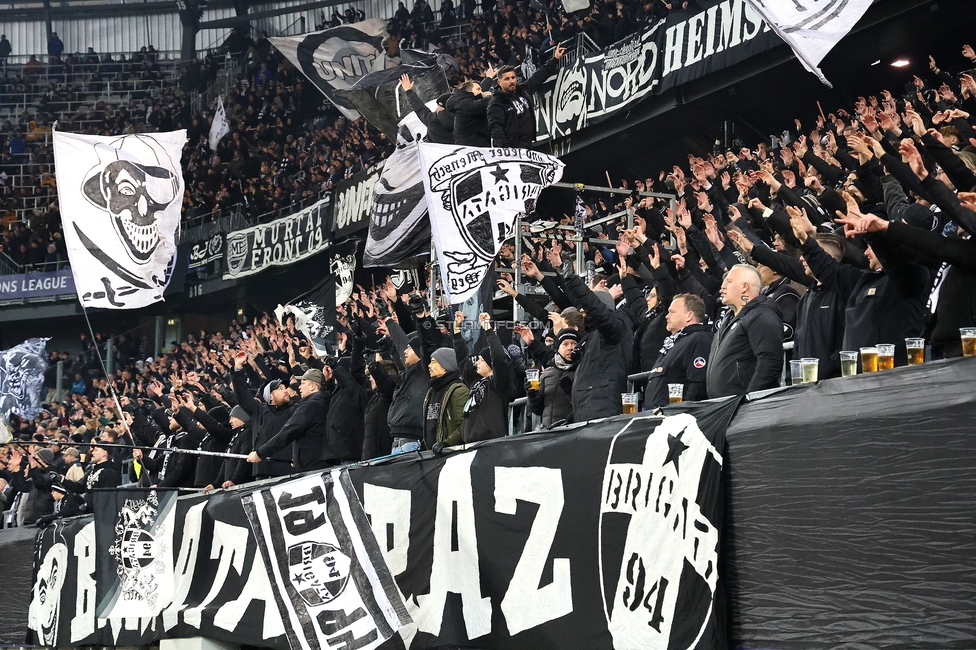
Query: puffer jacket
{"x": 607, "y": 352}
{"x": 747, "y": 350}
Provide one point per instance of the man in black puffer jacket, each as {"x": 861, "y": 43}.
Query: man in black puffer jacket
{"x": 305, "y": 428}
{"x": 607, "y": 349}
{"x": 684, "y": 353}
{"x": 469, "y": 104}
{"x": 489, "y": 382}
{"x": 511, "y": 122}
{"x": 747, "y": 350}
{"x": 345, "y": 424}
{"x": 268, "y": 415}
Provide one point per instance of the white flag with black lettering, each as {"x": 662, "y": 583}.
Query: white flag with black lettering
{"x": 474, "y": 196}
{"x": 121, "y": 199}
{"x": 219, "y": 127}
{"x": 330, "y": 580}
{"x": 811, "y": 27}
{"x": 334, "y": 59}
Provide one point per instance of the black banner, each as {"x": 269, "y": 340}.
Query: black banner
{"x": 686, "y": 45}
{"x": 354, "y": 200}
{"x": 281, "y": 242}
{"x": 849, "y": 518}
{"x": 207, "y": 251}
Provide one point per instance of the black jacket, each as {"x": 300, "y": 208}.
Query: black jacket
{"x": 881, "y": 307}
{"x": 345, "y": 424}
{"x": 237, "y": 470}
{"x": 406, "y": 416}
{"x": 606, "y": 356}
{"x": 470, "y": 118}
{"x": 553, "y": 401}
{"x": 306, "y": 428}
{"x": 684, "y": 362}
{"x": 511, "y": 122}
{"x": 489, "y": 419}
{"x": 266, "y": 422}
{"x": 219, "y": 438}
{"x": 955, "y": 301}
{"x": 819, "y": 314}
{"x": 440, "y": 124}
{"x": 785, "y": 299}
{"x": 747, "y": 350}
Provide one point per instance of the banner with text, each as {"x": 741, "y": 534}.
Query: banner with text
{"x": 279, "y": 243}
{"x": 688, "y": 44}
{"x": 354, "y": 201}
{"x": 35, "y": 284}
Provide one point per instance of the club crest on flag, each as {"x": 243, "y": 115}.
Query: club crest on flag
{"x": 474, "y": 196}
{"x": 138, "y": 552}
{"x": 659, "y": 536}
{"x": 319, "y": 571}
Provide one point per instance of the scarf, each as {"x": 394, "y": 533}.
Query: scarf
{"x": 477, "y": 394}
{"x": 562, "y": 364}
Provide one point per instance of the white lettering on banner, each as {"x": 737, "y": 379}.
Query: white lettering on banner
{"x": 228, "y": 547}
{"x": 185, "y": 564}
{"x": 352, "y": 65}
{"x": 354, "y": 203}
{"x": 389, "y": 517}
{"x": 83, "y": 622}
{"x": 722, "y": 27}
{"x": 455, "y": 567}
{"x": 257, "y": 588}
{"x": 525, "y": 604}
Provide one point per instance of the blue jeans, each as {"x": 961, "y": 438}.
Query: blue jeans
{"x": 404, "y": 445}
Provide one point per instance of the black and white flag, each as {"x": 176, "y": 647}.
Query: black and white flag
{"x": 474, "y": 196}
{"x": 399, "y": 229}
{"x": 811, "y": 27}
{"x": 120, "y": 199}
{"x": 219, "y": 127}
{"x": 22, "y": 369}
{"x": 380, "y": 98}
{"x": 139, "y": 581}
{"x": 330, "y": 580}
{"x": 314, "y": 312}
{"x": 335, "y": 59}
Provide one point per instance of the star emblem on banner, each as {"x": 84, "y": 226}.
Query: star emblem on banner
{"x": 675, "y": 449}
{"x": 501, "y": 175}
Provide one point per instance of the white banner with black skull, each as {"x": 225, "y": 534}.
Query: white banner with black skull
{"x": 335, "y": 59}
{"x": 22, "y": 369}
{"x": 474, "y": 195}
{"x": 398, "y": 224}
{"x": 121, "y": 199}
{"x": 330, "y": 580}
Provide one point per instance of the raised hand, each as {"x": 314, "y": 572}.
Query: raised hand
{"x": 507, "y": 287}
{"x": 741, "y": 241}
{"x": 406, "y": 82}
{"x": 458, "y": 321}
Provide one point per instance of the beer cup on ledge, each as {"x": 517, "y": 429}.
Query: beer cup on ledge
{"x": 886, "y": 356}
{"x": 916, "y": 351}
{"x": 848, "y": 364}
{"x": 869, "y": 359}
{"x": 676, "y": 393}
{"x": 809, "y": 369}
{"x": 532, "y": 376}
{"x": 968, "y": 335}
{"x": 629, "y": 401}
{"x": 796, "y": 372}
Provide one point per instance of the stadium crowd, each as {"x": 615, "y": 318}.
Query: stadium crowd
{"x": 852, "y": 231}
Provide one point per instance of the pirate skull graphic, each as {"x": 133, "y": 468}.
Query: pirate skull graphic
{"x": 134, "y": 183}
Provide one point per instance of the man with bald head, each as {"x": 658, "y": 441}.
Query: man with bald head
{"x": 747, "y": 349}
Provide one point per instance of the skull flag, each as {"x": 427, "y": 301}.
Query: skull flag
{"x": 474, "y": 196}
{"x": 22, "y": 369}
{"x": 120, "y": 205}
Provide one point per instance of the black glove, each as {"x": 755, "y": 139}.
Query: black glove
{"x": 383, "y": 308}
{"x": 418, "y": 304}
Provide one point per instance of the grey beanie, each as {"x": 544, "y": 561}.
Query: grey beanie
{"x": 240, "y": 414}
{"x": 605, "y": 298}
{"x": 447, "y": 359}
